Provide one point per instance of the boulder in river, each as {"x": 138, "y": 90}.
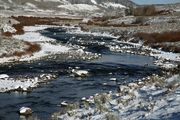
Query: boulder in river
{"x": 80, "y": 73}
{"x": 25, "y": 111}
{"x": 64, "y": 104}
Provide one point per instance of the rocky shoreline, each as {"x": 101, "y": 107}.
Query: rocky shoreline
{"x": 137, "y": 100}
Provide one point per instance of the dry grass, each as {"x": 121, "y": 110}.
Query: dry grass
{"x": 32, "y": 48}
{"x": 7, "y": 34}
{"x": 149, "y": 10}
{"x": 156, "y": 40}
{"x": 159, "y": 37}
{"x": 31, "y": 21}
{"x": 29, "y": 51}
{"x": 107, "y": 24}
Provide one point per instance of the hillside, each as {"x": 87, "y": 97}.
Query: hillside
{"x": 59, "y": 7}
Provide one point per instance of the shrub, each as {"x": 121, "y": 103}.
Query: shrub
{"x": 159, "y": 37}
{"x": 111, "y": 116}
{"x": 139, "y": 20}
{"x": 143, "y": 11}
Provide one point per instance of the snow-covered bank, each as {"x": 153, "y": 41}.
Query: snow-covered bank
{"x": 8, "y": 83}
{"x": 151, "y": 98}
{"x": 112, "y": 5}
{"x": 48, "y": 45}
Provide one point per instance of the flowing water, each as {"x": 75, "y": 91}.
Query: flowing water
{"x": 45, "y": 99}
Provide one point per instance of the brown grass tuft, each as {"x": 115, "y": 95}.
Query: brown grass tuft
{"x": 7, "y": 34}
{"x": 29, "y": 51}
{"x": 149, "y": 10}
{"x": 157, "y": 40}
{"x": 32, "y": 48}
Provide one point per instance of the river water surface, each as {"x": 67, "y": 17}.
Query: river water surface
{"x": 45, "y": 99}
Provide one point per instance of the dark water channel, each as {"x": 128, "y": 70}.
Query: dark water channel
{"x": 45, "y": 99}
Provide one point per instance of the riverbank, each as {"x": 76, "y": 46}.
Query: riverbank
{"x": 153, "y": 97}
{"x": 51, "y": 47}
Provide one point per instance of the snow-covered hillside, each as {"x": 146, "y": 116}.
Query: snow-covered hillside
{"x": 63, "y": 6}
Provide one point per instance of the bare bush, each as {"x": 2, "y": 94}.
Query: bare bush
{"x": 149, "y": 10}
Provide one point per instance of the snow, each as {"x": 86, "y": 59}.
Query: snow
{"x": 114, "y": 5}
{"x": 94, "y": 1}
{"x": 32, "y": 35}
{"x": 77, "y": 30}
{"x": 23, "y": 109}
{"x": 9, "y": 83}
{"x": 12, "y": 84}
{"x": 64, "y": 103}
{"x": 172, "y": 79}
{"x": 79, "y": 7}
{"x": 8, "y": 28}
{"x": 35, "y": 28}
{"x": 80, "y": 72}
{"x": 113, "y": 79}
{"x": 85, "y": 20}
{"x": 165, "y": 55}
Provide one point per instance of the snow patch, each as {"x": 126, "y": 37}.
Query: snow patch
{"x": 8, "y": 28}
{"x": 32, "y": 37}
{"x": 94, "y": 1}
{"x": 80, "y": 72}
{"x": 12, "y": 84}
{"x": 8, "y": 83}
{"x": 112, "y": 5}
{"x": 79, "y": 7}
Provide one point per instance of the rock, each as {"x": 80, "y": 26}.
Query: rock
{"x": 113, "y": 79}
{"x": 64, "y": 104}
{"x": 80, "y": 73}
{"x": 83, "y": 99}
{"x": 25, "y": 111}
